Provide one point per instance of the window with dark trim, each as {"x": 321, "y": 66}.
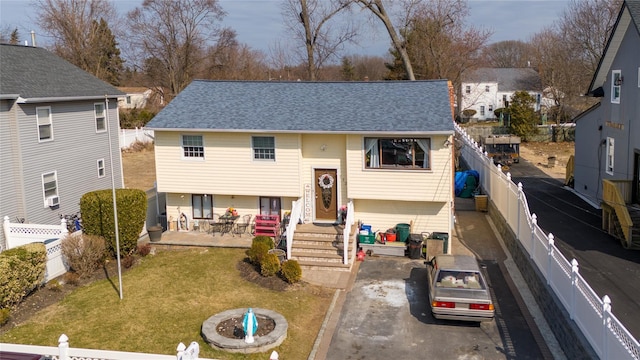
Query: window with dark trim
{"x": 263, "y": 147}
{"x": 100, "y": 164}
{"x": 202, "y": 206}
{"x": 397, "y": 153}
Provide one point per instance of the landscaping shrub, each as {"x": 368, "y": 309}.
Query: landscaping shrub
{"x": 264, "y": 239}
{"x": 22, "y": 270}
{"x": 71, "y": 278}
{"x": 270, "y": 265}
{"x": 84, "y": 253}
{"x": 54, "y": 285}
{"x": 291, "y": 271}
{"x": 97, "y": 217}
{"x": 5, "y": 314}
{"x": 128, "y": 261}
{"x": 257, "y": 252}
{"x": 144, "y": 249}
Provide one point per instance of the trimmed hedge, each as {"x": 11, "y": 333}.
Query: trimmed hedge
{"x": 97, "y": 217}
{"x": 22, "y": 270}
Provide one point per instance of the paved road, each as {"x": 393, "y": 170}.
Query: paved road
{"x": 603, "y": 262}
{"x": 386, "y": 315}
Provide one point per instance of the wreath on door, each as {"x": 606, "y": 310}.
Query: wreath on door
{"x": 326, "y": 181}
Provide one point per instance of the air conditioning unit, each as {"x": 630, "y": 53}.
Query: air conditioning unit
{"x": 53, "y": 201}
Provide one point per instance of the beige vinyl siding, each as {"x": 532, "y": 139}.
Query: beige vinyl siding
{"x": 181, "y": 203}
{"x": 228, "y": 167}
{"x": 325, "y": 152}
{"x": 402, "y": 185}
{"x": 382, "y": 215}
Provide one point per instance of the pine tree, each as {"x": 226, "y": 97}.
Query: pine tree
{"x": 523, "y": 116}
{"x": 103, "y": 59}
{"x": 15, "y": 37}
{"x": 347, "y": 72}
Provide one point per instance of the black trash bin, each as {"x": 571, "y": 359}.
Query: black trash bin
{"x": 415, "y": 246}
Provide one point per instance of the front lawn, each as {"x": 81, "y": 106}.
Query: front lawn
{"x": 167, "y": 296}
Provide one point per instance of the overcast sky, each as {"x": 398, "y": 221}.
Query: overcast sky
{"x": 258, "y": 23}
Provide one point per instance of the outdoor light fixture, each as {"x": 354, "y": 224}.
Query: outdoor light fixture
{"x": 447, "y": 143}
{"x": 323, "y": 147}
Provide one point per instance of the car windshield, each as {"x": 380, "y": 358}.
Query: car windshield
{"x": 460, "y": 280}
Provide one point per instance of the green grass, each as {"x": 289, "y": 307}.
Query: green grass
{"x": 166, "y": 299}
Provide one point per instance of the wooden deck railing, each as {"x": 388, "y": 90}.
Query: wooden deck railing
{"x": 612, "y": 195}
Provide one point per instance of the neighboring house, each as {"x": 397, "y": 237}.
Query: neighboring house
{"x": 258, "y": 146}
{"x": 54, "y": 144}
{"x": 135, "y": 98}
{"x": 487, "y": 89}
{"x": 608, "y": 134}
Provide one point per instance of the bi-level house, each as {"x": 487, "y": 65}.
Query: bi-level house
{"x": 487, "y": 89}
{"x": 58, "y": 135}
{"x": 384, "y": 147}
{"x": 607, "y": 145}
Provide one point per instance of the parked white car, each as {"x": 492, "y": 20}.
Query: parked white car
{"x": 458, "y": 290}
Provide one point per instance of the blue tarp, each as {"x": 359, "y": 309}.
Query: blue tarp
{"x": 466, "y": 182}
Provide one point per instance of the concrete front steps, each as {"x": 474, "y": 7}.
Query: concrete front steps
{"x": 320, "y": 247}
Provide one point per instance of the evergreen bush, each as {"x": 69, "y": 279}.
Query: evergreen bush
{"x": 97, "y": 217}
{"x": 22, "y": 270}
{"x": 270, "y": 265}
{"x": 5, "y": 314}
{"x": 291, "y": 271}
{"x": 257, "y": 252}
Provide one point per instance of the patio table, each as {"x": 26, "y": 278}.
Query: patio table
{"x": 227, "y": 223}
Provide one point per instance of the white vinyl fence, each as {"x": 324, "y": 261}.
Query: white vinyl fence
{"x": 130, "y": 136}
{"x": 64, "y": 352}
{"x": 606, "y": 334}
{"x": 18, "y": 234}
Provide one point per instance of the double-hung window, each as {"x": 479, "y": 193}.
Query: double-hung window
{"x": 202, "y": 206}
{"x": 49, "y": 185}
{"x": 264, "y": 147}
{"x": 100, "y": 164}
{"x": 610, "y": 155}
{"x": 101, "y": 122}
{"x": 45, "y": 123}
{"x": 616, "y": 82}
{"x": 397, "y": 153}
{"x": 481, "y": 110}
{"x": 192, "y": 146}
{"x": 467, "y": 89}
{"x": 486, "y": 88}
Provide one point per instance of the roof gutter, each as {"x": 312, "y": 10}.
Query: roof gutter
{"x": 9, "y": 96}
{"x": 271, "y": 131}
{"x": 22, "y": 100}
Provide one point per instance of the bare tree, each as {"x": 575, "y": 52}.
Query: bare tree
{"x": 567, "y": 53}
{"x": 507, "y": 54}
{"x": 586, "y": 25}
{"x": 231, "y": 60}
{"x": 81, "y": 33}
{"x": 171, "y": 37}
{"x": 399, "y": 44}
{"x": 322, "y": 39}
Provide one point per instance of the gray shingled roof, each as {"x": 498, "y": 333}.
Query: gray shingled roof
{"x": 634, "y": 10}
{"x": 508, "y": 79}
{"x": 32, "y": 72}
{"x": 399, "y": 106}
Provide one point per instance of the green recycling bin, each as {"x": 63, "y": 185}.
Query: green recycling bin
{"x": 402, "y": 232}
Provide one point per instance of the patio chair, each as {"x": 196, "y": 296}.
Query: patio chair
{"x": 243, "y": 226}
{"x": 216, "y": 225}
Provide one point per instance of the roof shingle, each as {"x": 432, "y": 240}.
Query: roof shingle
{"x": 32, "y": 72}
{"x": 398, "y": 106}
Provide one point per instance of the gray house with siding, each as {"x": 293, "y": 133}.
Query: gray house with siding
{"x": 57, "y": 123}
{"x": 607, "y": 144}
